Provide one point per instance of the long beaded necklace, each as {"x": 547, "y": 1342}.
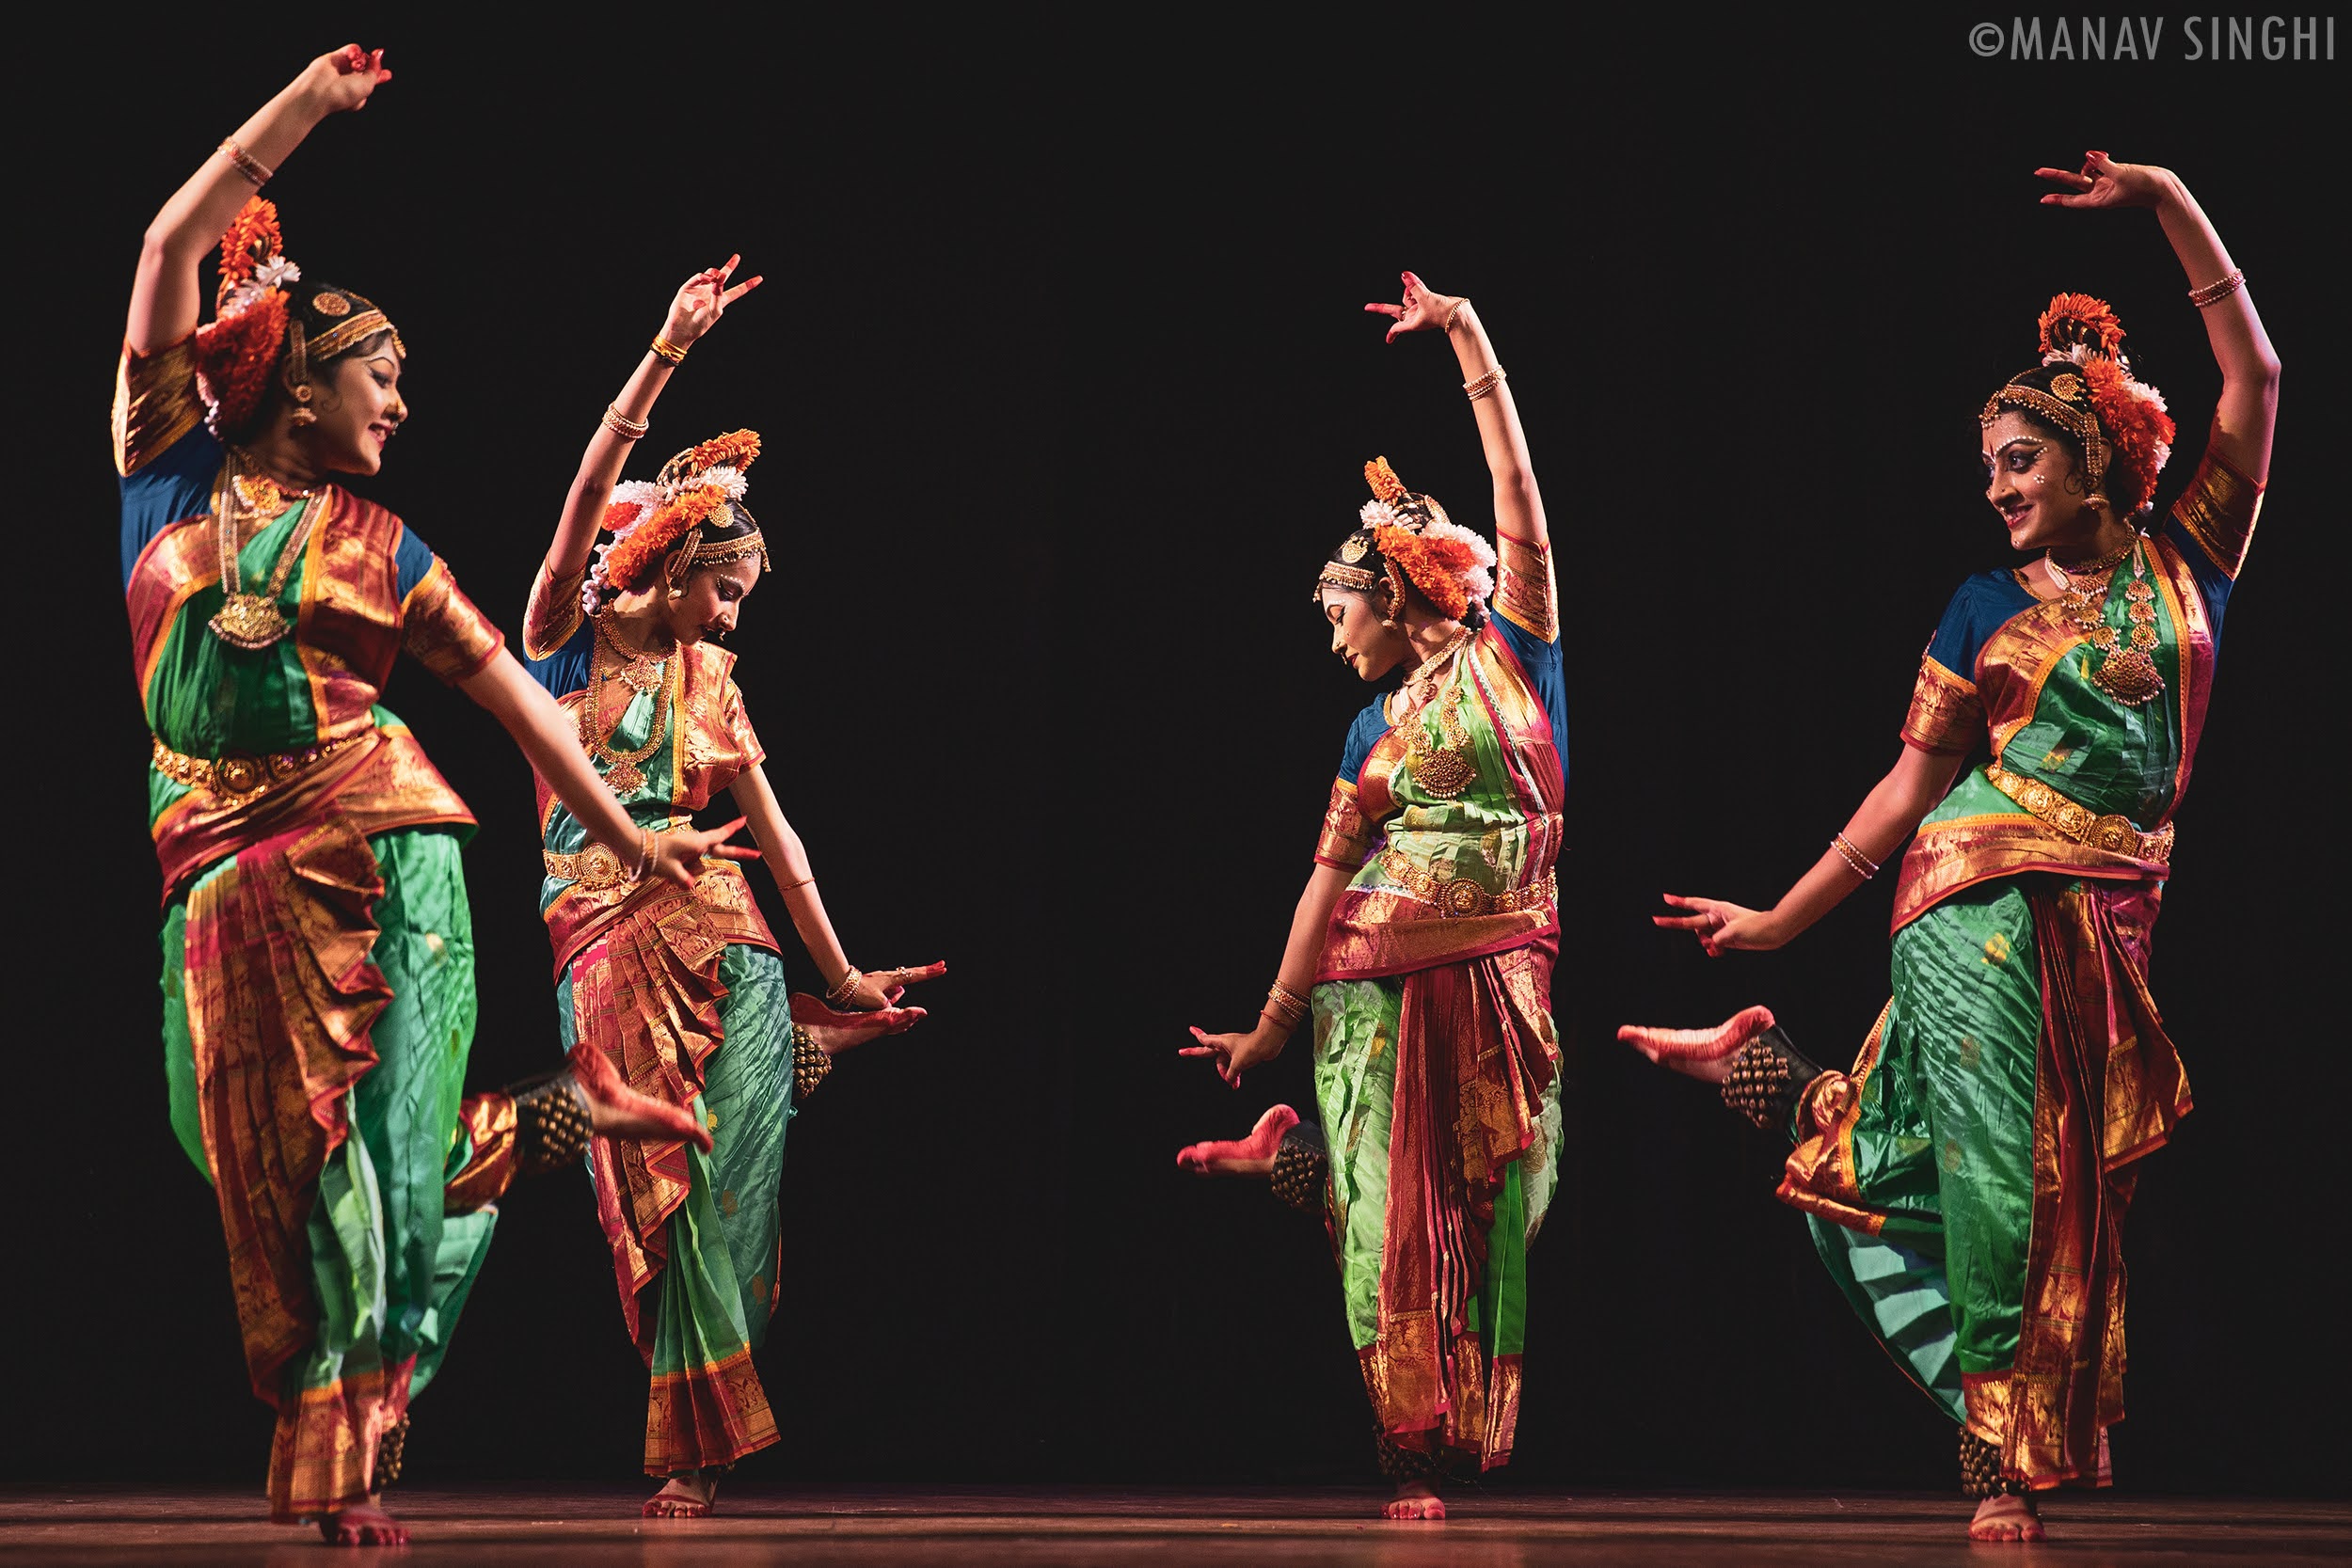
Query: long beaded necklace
{"x": 1443, "y": 771}
{"x": 253, "y": 621}
{"x": 2128, "y": 674}
{"x": 639, "y": 673}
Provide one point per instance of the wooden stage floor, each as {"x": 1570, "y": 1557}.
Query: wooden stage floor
{"x": 589, "y": 1526}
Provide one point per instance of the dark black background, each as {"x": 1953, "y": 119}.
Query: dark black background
{"x": 1066, "y": 386}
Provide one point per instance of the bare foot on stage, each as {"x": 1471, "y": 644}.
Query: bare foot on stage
{"x": 1250, "y": 1156}
{"x": 686, "y": 1496}
{"x": 2004, "y": 1518}
{"x": 617, "y": 1111}
{"x": 1702, "y": 1053}
{"x": 363, "y": 1525}
{"x": 1415, "y": 1499}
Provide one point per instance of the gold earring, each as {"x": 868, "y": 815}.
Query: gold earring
{"x": 303, "y": 414}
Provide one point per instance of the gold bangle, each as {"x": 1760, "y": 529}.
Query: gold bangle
{"x": 845, "y": 989}
{"x": 1856, "y": 861}
{"x": 1450, "y": 315}
{"x": 673, "y": 353}
{"x": 1486, "y": 383}
{"x": 622, "y": 426}
{"x": 2218, "y": 290}
{"x": 244, "y": 163}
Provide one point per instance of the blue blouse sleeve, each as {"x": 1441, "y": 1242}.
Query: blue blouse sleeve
{"x": 1977, "y": 611}
{"x": 1363, "y": 736}
{"x": 565, "y": 671}
{"x": 1541, "y": 661}
{"x": 412, "y": 558}
{"x": 170, "y": 487}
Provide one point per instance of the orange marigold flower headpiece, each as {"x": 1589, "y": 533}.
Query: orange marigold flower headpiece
{"x": 695, "y": 489}
{"x": 2083, "y": 387}
{"x": 263, "y": 311}
{"x": 1403, "y": 536}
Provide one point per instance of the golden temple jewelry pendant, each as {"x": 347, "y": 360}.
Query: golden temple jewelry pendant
{"x": 623, "y": 778}
{"x": 249, "y": 621}
{"x": 641, "y": 675}
{"x": 1444, "y": 771}
{"x": 2129, "y": 676}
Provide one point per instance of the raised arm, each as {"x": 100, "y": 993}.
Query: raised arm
{"x": 1302, "y": 954}
{"x": 1518, "y": 505}
{"x": 553, "y": 611}
{"x": 2248, "y": 405}
{"x": 165, "y": 295}
{"x": 1888, "y": 815}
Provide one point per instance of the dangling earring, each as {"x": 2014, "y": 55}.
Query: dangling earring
{"x": 303, "y": 413}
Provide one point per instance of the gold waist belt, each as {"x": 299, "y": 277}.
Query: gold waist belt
{"x": 2117, "y": 835}
{"x": 234, "y": 778}
{"x": 597, "y": 868}
{"x": 1461, "y": 896}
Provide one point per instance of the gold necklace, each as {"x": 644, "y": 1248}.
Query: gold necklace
{"x": 2063, "y": 574}
{"x": 253, "y": 621}
{"x": 643, "y": 671}
{"x": 2127, "y": 673}
{"x": 622, "y": 773}
{"x": 1443, "y": 771}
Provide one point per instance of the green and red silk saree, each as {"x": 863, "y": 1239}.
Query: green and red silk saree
{"x": 1437, "y": 1066}
{"x": 317, "y": 949}
{"x": 1970, "y": 1202}
{"x": 685, "y": 993}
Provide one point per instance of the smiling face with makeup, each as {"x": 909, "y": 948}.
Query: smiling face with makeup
{"x": 357, "y": 399}
{"x": 2034, "y": 479}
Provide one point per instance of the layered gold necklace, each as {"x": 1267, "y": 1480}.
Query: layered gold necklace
{"x": 1443, "y": 771}
{"x": 639, "y": 673}
{"x": 2128, "y": 671}
{"x": 253, "y": 621}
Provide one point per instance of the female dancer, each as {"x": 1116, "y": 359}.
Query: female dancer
{"x": 1967, "y": 1182}
{"x": 1437, "y": 1069}
{"x": 318, "y": 957}
{"x": 682, "y": 990}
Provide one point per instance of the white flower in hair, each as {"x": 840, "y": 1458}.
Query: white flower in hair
{"x": 727, "y": 477}
{"x": 1380, "y": 514}
{"x": 1479, "y": 580}
{"x": 275, "y": 273}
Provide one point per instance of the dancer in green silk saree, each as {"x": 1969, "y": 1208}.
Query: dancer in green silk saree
{"x": 682, "y": 990}
{"x": 1966, "y": 1180}
{"x": 1423, "y": 948}
{"x": 317, "y": 948}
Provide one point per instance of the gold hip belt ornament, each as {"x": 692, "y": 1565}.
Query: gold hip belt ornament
{"x": 1461, "y": 896}
{"x": 234, "y": 778}
{"x": 2114, "y": 833}
{"x": 597, "y": 868}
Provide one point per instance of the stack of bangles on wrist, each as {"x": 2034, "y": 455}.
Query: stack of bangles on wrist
{"x": 2218, "y": 290}
{"x": 622, "y": 426}
{"x": 644, "y": 852}
{"x": 1856, "y": 861}
{"x": 1284, "y": 1006}
{"x": 255, "y": 171}
{"x": 1486, "y": 383}
{"x": 673, "y": 353}
{"x": 845, "y": 989}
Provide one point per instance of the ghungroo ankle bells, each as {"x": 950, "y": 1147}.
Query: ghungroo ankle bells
{"x": 1401, "y": 1464}
{"x": 1302, "y": 1168}
{"x": 809, "y": 1062}
{"x": 1981, "y": 1470}
{"x": 1768, "y": 1078}
{"x": 390, "y": 1446}
{"x": 553, "y": 1122}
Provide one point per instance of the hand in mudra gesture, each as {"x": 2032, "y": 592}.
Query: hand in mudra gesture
{"x": 342, "y": 78}
{"x": 1423, "y": 310}
{"x": 1723, "y": 927}
{"x": 702, "y": 299}
{"x": 2105, "y": 183}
